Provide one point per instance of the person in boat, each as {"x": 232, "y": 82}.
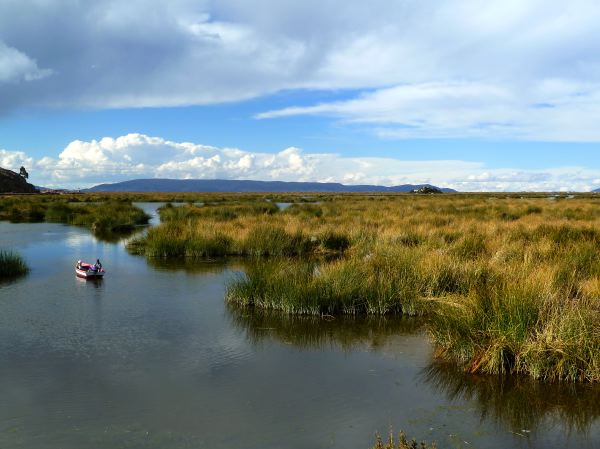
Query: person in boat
{"x": 97, "y": 265}
{"x": 78, "y": 266}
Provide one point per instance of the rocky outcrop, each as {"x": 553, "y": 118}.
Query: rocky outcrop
{"x": 11, "y": 182}
{"x": 427, "y": 190}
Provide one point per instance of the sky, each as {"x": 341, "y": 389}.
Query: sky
{"x": 502, "y": 95}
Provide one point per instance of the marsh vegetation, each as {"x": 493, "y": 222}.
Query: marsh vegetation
{"x": 12, "y": 265}
{"x": 509, "y": 285}
{"x": 161, "y": 322}
{"x": 104, "y": 216}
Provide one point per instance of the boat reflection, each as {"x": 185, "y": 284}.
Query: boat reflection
{"x": 95, "y": 282}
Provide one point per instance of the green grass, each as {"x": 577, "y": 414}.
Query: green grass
{"x": 377, "y": 285}
{"x": 103, "y": 218}
{"x": 272, "y": 240}
{"x": 171, "y": 241}
{"x": 11, "y": 265}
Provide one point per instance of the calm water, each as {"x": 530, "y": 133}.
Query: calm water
{"x": 151, "y": 357}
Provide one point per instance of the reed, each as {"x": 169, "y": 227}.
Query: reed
{"x": 377, "y": 285}
{"x": 400, "y": 443}
{"x": 102, "y": 217}
{"x": 12, "y": 265}
{"x": 510, "y": 284}
{"x": 519, "y": 295}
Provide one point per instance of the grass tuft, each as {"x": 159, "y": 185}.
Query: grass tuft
{"x": 12, "y": 265}
{"x": 400, "y": 443}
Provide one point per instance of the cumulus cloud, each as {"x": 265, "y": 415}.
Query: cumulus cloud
{"x": 14, "y": 159}
{"x": 86, "y": 163}
{"x": 524, "y": 69}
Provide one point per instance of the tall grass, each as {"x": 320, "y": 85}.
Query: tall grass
{"x": 511, "y": 285}
{"x": 11, "y": 265}
{"x": 102, "y": 217}
{"x": 378, "y": 285}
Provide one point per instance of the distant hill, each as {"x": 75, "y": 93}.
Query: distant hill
{"x": 596, "y": 191}
{"x": 225, "y": 185}
{"x": 11, "y": 182}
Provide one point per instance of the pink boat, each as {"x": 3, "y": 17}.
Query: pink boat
{"x": 89, "y": 270}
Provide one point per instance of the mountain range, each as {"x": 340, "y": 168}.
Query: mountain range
{"x": 226, "y": 185}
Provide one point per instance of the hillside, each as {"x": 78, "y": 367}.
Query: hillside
{"x": 224, "y": 185}
{"x": 11, "y": 182}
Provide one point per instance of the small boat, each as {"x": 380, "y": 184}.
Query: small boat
{"x": 89, "y": 270}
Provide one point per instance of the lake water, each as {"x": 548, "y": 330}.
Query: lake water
{"x": 152, "y": 357}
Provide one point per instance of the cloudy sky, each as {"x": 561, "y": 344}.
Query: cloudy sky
{"x": 496, "y": 95}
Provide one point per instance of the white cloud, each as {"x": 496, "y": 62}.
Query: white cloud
{"x": 83, "y": 164}
{"x": 554, "y": 111}
{"x": 520, "y": 69}
{"x": 14, "y": 159}
{"x": 17, "y": 66}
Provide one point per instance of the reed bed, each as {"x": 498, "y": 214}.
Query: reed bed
{"x": 12, "y": 265}
{"x": 509, "y": 284}
{"x": 103, "y": 217}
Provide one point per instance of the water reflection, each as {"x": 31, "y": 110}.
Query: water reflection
{"x": 11, "y": 279}
{"x": 521, "y": 403}
{"x": 524, "y": 405}
{"x": 94, "y": 282}
{"x": 318, "y": 332}
{"x": 117, "y": 236}
{"x": 192, "y": 265}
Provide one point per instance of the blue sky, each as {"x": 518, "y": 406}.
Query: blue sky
{"x": 501, "y": 96}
